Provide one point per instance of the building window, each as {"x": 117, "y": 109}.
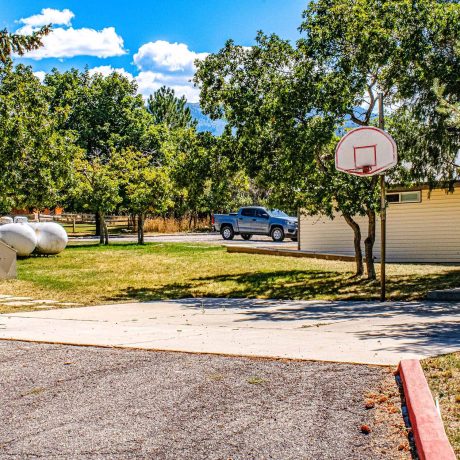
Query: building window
{"x": 405, "y": 197}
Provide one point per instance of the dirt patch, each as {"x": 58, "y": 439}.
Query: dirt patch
{"x": 82, "y": 402}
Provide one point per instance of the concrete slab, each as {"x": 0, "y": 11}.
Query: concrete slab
{"x": 364, "y": 332}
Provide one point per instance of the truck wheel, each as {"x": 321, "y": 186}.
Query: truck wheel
{"x": 277, "y": 234}
{"x": 246, "y": 236}
{"x": 227, "y": 232}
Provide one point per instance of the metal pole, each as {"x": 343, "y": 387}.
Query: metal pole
{"x": 383, "y": 214}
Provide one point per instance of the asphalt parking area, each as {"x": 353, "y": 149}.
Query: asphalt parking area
{"x": 86, "y": 402}
{"x": 205, "y": 238}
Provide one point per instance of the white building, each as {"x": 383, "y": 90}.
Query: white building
{"x": 422, "y": 226}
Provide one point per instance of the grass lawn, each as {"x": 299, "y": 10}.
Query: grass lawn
{"x": 443, "y": 375}
{"x": 80, "y": 229}
{"x": 90, "y": 229}
{"x": 93, "y": 274}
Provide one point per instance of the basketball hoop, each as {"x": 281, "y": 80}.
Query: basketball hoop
{"x": 366, "y": 151}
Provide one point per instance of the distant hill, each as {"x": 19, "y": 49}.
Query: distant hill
{"x": 216, "y": 127}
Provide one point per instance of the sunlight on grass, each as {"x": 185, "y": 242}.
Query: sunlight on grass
{"x": 93, "y": 274}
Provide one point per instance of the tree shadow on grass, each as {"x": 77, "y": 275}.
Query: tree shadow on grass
{"x": 283, "y": 284}
{"x": 294, "y": 285}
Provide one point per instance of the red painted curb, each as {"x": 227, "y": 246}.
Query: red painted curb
{"x": 430, "y": 438}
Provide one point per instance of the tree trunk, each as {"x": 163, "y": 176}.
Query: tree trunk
{"x": 106, "y": 233}
{"x": 369, "y": 245}
{"x": 140, "y": 229}
{"x": 357, "y": 243}
{"x": 98, "y": 224}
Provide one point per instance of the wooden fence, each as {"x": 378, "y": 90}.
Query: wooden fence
{"x": 82, "y": 223}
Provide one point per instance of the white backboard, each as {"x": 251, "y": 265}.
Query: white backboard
{"x": 366, "y": 151}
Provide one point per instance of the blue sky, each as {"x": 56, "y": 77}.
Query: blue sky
{"x": 154, "y": 41}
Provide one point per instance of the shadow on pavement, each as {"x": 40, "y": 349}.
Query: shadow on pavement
{"x": 420, "y": 336}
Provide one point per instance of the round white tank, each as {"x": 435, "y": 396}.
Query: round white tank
{"x": 51, "y": 237}
{"x": 6, "y": 220}
{"x": 20, "y": 237}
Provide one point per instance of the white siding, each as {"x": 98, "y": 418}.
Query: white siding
{"x": 428, "y": 231}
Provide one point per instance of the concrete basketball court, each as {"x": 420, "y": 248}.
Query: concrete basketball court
{"x": 365, "y": 332}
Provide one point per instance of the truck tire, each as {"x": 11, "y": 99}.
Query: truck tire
{"x": 277, "y": 234}
{"x": 227, "y": 232}
{"x": 246, "y": 236}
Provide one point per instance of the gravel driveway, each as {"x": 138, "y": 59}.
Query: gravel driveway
{"x": 86, "y": 403}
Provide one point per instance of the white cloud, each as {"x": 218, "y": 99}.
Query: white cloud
{"x": 40, "y": 74}
{"x": 165, "y": 55}
{"x": 48, "y": 16}
{"x": 67, "y": 42}
{"x": 106, "y": 70}
{"x": 162, "y": 63}
{"x": 149, "y": 82}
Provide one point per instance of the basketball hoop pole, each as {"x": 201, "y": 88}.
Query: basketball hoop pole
{"x": 369, "y": 151}
{"x": 383, "y": 214}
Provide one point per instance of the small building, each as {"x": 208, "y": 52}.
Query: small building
{"x": 422, "y": 226}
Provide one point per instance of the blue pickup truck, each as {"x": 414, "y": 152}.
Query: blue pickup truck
{"x": 255, "y": 220}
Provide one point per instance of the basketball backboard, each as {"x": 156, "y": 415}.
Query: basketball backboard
{"x": 366, "y": 151}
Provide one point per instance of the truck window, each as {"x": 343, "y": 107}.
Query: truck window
{"x": 247, "y": 212}
{"x": 262, "y": 213}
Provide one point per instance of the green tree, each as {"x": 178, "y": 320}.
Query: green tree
{"x": 35, "y": 157}
{"x": 146, "y": 185}
{"x": 17, "y": 43}
{"x": 226, "y": 186}
{"x": 96, "y": 188}
{"x": 104, "y": 112}
{"x": 190, "y": 168}
{"x": 166, "y": 108}
{"x": 206, "y": 180}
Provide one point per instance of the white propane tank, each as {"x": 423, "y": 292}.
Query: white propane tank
{"x": 51, "y": 237}
{"x": 20, "y": 237}
{"x": 6, "y": 220}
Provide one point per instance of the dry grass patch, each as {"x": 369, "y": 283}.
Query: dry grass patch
{"x": 170, "y": 225}
{"x": 443, "y": 375}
